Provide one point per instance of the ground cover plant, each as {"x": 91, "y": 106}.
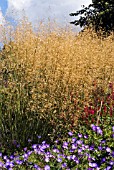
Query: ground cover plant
{"x": 51, "y": 83}
{"x": 85, "y": 149}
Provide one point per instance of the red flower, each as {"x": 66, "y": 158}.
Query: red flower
{"x": 110, "y": 85}
{"x": 92, "y": 111}
{"x": 105, "y": 109}
{"x": 111, "y": 111}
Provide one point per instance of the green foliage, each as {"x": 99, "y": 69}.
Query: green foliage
{"x": 82, "y": 149}
{"x": 99, "y": 15}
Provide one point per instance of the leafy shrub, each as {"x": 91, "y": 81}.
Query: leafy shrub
{"x": 100, "y": 108}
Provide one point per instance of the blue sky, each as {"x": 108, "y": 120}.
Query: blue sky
{"x": 41, "y": 10}
{"x": 3, "y": 5}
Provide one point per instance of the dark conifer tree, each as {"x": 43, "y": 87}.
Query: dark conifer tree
{"x": 99, "y": 15}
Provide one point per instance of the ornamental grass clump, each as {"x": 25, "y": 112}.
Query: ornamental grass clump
{"x": 46, "y": 81}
